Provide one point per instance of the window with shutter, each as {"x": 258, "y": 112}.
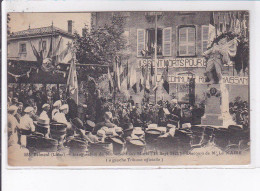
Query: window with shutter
{"x": 140, "y": 41}
{"x": 204, "y": 37}
{"x": 22, "y": 48}
{"x": 167, "y": 39}
{"x": 187, "y": 41}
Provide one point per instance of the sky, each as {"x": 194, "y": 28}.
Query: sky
{"x": 21, "y": 21}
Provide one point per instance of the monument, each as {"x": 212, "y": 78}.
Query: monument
{"x": 217, "y": 96}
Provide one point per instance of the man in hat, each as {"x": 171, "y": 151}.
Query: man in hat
{"x": 43, "y": 125}
{"x": 101, "y": 135}
{"x": 128, "y": 132}
{"x": 19, "y": 113}
{"x": 56, "y": 108}
{"x": 46, "y": 108}
{"x": 107, "y": 122}
{"x": 61, "y": 117}
{"x": 88, "y": 132}
{"x": 26, "y": 122}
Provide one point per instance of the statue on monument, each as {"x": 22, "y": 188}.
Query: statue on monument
{"x": 218, "y": 55}
{"x": 217, "y": 100}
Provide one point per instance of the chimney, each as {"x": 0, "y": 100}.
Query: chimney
{"x": 70, "y": 26}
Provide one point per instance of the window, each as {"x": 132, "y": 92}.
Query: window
{"x": 42, "y": 45}
{"x": 150, "y": 41}
{"x": 204, "y": 37}
{"x": 146, "y": 41}
{"x": 22, "y": 48}
{"x": 187, "y": 41}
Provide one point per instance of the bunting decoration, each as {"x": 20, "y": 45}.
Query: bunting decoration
{"x": 232, "y": 25}
{"x": 16, "y": 76}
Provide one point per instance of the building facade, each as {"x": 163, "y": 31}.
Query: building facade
{"x": 182, "y": 38}
{"x": 19, "y": 43}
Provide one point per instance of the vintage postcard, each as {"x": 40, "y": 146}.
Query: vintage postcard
{"x": 128, "y": 88}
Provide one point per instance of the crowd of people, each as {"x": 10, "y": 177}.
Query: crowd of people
{"x": 97, "y": 120}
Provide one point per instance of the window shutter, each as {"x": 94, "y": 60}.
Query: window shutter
{"x": 140, "y": 41}
{"x": 167, "y": 40}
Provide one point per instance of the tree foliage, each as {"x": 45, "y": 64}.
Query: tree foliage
{"x": 101, "y": 45}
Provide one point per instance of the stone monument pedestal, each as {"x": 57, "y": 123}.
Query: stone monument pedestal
{"x": 213, "y": 110}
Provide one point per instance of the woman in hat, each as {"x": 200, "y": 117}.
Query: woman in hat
{"x": 56, "y": 108}
{"x": 46, "y": 108}
{"x": 61, "y": 117}
{"x": 26, "y": 120}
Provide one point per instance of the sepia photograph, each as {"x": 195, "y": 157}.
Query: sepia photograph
{"x": 128, "y": 88}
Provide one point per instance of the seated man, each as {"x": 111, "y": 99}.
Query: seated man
{"x": 26, "y": 123}
{"x": 12, "y": 121}
{"x": 107, "y": 122}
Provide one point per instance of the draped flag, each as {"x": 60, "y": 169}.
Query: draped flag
{"x": 110, "y": 80}
{"x": 38, "y": 56}
{"x": 152, "y": 79}
{"x": 66, "y": 55}
{"x": 118, "y": 76}
{"x": 165, "y": 79}
{"x": 133, "y": 83}
{"x": 50, "y": 50}
{"x": 142, "y": 79}
{"x": 237, "y": 29}
{"x": 116, "y": 69}
{"x": 212, "y": 31}
{"x": 128, "y": 76}
{"x": 147, "y": 80}
{"x": 72, "y": 83}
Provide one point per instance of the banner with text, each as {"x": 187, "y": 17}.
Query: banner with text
{"x": 176, "y": 62}
{"x": 233, "y": 80}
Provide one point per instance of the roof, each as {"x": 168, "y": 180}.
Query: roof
{"x": 39, "y": 31}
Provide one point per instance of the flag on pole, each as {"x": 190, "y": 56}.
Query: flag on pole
{"x": 165, "y": 79}
{"x": 72, "y": 83}
{"x": 111, "y": 84}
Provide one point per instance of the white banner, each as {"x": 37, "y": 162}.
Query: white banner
{"x": 176, "y": 62}
{"x": 233, "y": 80}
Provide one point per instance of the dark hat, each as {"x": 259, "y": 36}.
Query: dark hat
{"x": 76, "y": 122}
